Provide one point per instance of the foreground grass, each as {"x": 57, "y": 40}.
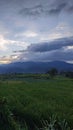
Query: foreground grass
{"x": 36, "y": 101}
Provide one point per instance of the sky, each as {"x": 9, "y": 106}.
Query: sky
{"x": 36, "y": 30}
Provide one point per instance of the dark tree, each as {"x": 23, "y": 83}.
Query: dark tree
{"x": 69, "y": 74}
{"x": 53, "y": 72}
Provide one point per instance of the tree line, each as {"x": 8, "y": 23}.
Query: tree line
{"x": 54, "y": 72}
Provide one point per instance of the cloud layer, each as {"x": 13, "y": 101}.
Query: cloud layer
{"x": 50, "y": 46}
{"x": 37, "y": 28}
{"x": 52, "y": 7}
{"x": 61, "y": 49}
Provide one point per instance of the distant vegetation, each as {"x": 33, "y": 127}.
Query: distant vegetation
{"x": 69, "y": 74}
{"x": 52, "y": 72}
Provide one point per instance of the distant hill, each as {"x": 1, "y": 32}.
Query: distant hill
{"x": 34, "y": 67}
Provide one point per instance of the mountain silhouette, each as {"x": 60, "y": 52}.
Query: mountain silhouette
{"x": 35, "y": 67}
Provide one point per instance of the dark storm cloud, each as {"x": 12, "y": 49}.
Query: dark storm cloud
{"x": 33, "y": 11}
{"x": 55, "y": 7}
{"x": 49, "y": 46}
{"x": 39, "y": 10}
{"x": 70, "y": 9}
{"x": 56, "y": 50}
{"x": 60, "y": 54}
{"x": 39, "y": 7}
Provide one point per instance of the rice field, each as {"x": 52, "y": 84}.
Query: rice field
{"x": 33, "y": 101}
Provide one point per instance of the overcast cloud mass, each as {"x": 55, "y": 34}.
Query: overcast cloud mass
{"x": 33, "y": 30}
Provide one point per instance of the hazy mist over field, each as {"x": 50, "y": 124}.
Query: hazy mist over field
{"x": 36, "y": 30}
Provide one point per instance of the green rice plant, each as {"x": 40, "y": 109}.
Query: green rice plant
{"x": 25, "y": 127}
{"x": 55, "y": 124}
{"x": 50, "y": 125}
{"x": 64, "y": 125}
{"x": 6, "y": 117}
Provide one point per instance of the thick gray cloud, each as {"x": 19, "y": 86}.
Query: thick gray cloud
{"x": 50, "y": 7}
{"x": 60, "y": 54}
{"x": 49, "y": 46}
{"x": 36, "y": 8}
{"x": 61, "y": 49}
{"x": 33, "y": 11}
{"x": 58, "y": 8}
